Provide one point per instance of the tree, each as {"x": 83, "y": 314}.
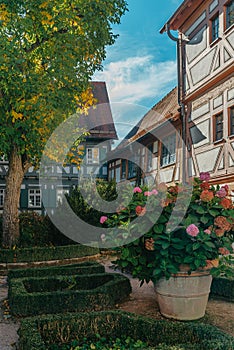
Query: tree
{"x": 49, "y": 51}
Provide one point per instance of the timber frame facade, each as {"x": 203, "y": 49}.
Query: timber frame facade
{"x": 95, "y": 148}
{"x": 206, "y": 84}
{"x": 203, "y": 111}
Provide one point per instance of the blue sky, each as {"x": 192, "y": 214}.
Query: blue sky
{"x": 140, "y": 68}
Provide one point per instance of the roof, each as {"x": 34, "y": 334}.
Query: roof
{"x": 164, "y": 110}
{"x": 99, "y": 121}
{"x": 183, "y": 12}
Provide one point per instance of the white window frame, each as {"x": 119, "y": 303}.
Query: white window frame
{"x": 168, "y": 157}
{"x": 91, "y": 157}
{"x": 33, "y": 195}
{"x": 59, "y": 194}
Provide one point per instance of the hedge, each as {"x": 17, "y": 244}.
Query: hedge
{"x": 88, "y": 267}
{"x": 37, "y": 295}
{"x": 38, "y": 332}
{"x": 46, "y": 253}
{"x": 223, "y": 288}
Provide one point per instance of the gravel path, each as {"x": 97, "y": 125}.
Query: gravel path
{"x": 142, "y": 301}
{"x": 8, "y": 327}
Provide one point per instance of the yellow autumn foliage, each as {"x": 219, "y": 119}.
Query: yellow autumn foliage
{"x": 16, "y": 115}
{"x": 4, "y": 15}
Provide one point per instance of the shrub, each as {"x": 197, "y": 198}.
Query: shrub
{"x": 79, "y": 201}
{"x": 73, "y": 269}
{"x": 32, "y": 296}
{"x": 46, "y": 253}
{"x": 195, "y": 239}
{"x": 39, "y": 332}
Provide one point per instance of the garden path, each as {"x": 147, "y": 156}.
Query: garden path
{"x": 142, "y": 301}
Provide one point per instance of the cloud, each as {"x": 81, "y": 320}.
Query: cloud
{"x": 135, "y": 79}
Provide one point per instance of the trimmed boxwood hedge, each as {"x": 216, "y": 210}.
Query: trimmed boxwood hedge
{"x": 88, "y": 267}
{"x": 38, "y": 332}
{"x": 223, "y": 288}
{"x": 37, "y": 295}
{"x": 46, "y": 253}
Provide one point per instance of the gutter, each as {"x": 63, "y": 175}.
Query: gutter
{"x": 180, "y": 41}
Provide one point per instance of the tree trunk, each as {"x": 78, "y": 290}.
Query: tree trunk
{"x": 14, "y": 180}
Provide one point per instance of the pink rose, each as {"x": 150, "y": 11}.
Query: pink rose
{"x": 192, "y": 230}
{"x": 207, "y": 231}
{"x": 221, "y": 193}
{"x": 226, "y": 188}
{"x": 103, "y": 219}
{"x": 137, "y": 190}
{"x": 147, "y": 194}
{"x": 204, "y": 176}
{"x": 140, "y": 211}
{"x": 155, "y": 192}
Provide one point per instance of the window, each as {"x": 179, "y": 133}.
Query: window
{"x": 230, "y": 14}
{"x": 60, "y": 194}
{"x": 132, "y": 169}
{"x": 215, "y": 28}
{"x": 34, "y": 198}
{"x": 123, "y": 169}
{"x": 93, "y": 155}
{"x": 168, "y": 154}
{"x": 2, "y": 196}
{"x": 231, "y": 120}
{"x": 218, "y": 125}
{"x": 150, "y": 158}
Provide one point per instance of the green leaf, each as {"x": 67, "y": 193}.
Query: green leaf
{"x": 158, "y": 228}
{"x": 200, "y": 210}
{"x": 165, "y": 245}
{"x": 213, "y": 212}
{"x": 157, "y": 271}
{"x": 196, "y": 246}
{"x": 197, "y": 263}
{"x": 204, "y": 219}
{"x": 209, "y": 244}
{"x": 188, "y": 259}
{"x": 124, "y": 253}
{"x": 163, "y": 219}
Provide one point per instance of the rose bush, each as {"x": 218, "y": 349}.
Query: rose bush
{"x": 199, "y": 237}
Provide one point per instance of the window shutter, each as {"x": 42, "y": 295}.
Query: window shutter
{"x": 24, "y": 199}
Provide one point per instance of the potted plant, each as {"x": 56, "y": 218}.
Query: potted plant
{"x": 179, "y": 261}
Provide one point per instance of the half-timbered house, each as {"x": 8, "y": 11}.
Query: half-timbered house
{"x": 206, "y": 84}
{"x": 203, "y": 114}
{"x": 97, "y": 144}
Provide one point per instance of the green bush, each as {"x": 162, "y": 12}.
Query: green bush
{"x": 39, "y": 332}
{"x": 223, "y": 288}
{"x": 37, "y": 230}
{"x": 79, "y": 203}
{"x": 102, "y": 343}
{"x": 46, "y": 253}
{"x": 73, "y": 269}
{"x": 32, "y": 296}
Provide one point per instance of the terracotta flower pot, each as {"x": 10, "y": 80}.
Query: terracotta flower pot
{"x": 184, "y": 296}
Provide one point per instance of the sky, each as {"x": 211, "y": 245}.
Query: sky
{"x": 140, "y": 68}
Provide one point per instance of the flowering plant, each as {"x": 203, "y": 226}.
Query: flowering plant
{"x": 192, "y": 231}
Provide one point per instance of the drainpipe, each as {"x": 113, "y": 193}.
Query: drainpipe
{"x": 181, "y": 88}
